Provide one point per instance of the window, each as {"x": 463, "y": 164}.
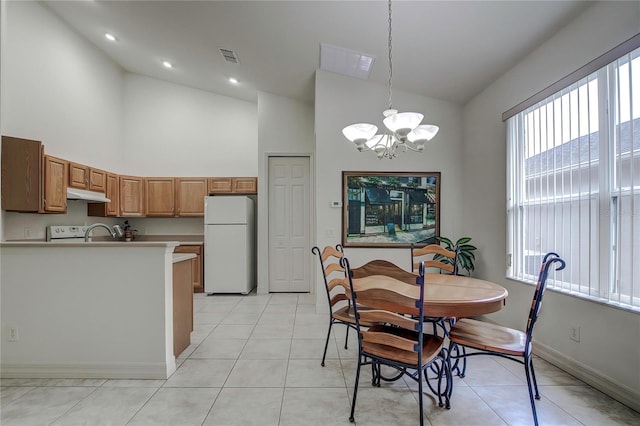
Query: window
{"x": 574, "y": 185}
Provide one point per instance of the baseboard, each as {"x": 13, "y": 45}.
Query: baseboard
{"x": 604, "y": 384}
{"x": 87, "y": 371}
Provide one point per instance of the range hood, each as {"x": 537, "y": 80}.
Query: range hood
{"x": 81, "y": 194}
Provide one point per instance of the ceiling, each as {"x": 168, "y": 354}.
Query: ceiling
{"x": 449, "y": 50}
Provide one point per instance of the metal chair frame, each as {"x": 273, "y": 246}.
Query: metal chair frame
{"x": 338, "y": 254}
{"x": 441, "y": 322}
{"x": 417, "y": 371}
{"x": 527, "y": 359}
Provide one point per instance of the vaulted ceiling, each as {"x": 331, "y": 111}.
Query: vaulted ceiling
{"x": 449, "y": 50}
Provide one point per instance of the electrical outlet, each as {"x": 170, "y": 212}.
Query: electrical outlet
{"x": 27, "y": 232}
{"x": 13, "y": 334}
{"x": 575, "y": 333}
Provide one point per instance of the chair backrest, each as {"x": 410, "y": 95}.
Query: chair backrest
{"x": 400, "y": 306}
{"x": 541, "y": 285}
{"x": 383, "y": 267}
{"x": 333, "y": 273}
{"x": 432, "y": 255}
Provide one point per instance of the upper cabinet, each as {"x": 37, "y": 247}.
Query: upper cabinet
{"x": 112, "y": 191}
{"x": 233, "y": 185}
{"x": 31, "y": 181}
{"x": 131, "y": 196}
{"x": 160, "y": 196}
{"x": 78, "y": 175}
{"x": 85, "y": 177}
{"x": 190, "y": 193}
{"x": 55, "y": 184}
{"x": 98, "y": 180}
{"x": 37, "y": 183}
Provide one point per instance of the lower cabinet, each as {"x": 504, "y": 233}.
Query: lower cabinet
{"x": 182, "y": 305}
{"x": 198, "y": 265}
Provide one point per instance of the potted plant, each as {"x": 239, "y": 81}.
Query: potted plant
{"x": 466, "y": 258}
{"x": 128, "y": 232}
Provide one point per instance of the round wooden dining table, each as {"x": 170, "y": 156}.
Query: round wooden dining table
{"x": 451, "y": 296}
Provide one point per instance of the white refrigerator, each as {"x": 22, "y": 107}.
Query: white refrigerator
{"x": 229, "y": 244}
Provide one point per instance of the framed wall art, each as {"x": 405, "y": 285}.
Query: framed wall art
{"x": 390, "y": 209}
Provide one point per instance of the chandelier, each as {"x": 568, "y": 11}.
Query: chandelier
{"x": 403, "y": 129}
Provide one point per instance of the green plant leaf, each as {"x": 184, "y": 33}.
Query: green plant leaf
{"x": 463, "y": 240}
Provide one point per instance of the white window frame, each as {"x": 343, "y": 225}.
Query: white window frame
{"x": 600, "y": 286}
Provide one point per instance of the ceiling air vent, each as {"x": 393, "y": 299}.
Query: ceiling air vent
{"x": 229, "y": 56}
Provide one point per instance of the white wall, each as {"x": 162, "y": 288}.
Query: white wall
{"x": 57, "y": 88}
{"x": 285, "y": 127}
{"x": 604, "y": 331}
{"x": 172, "y": 130}
{"x": 341, "y": 101}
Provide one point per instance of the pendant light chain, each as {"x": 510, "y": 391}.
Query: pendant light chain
{"x": 390, "y": 63}
{"x": 404, "y": 131}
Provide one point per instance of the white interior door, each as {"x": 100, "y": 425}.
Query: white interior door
{"x": 289, "y": 234}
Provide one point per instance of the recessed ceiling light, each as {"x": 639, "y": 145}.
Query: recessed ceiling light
{"x": 233, "y": 80}
{"x": 167, "y": 64}
{"x": 110, "y": 37}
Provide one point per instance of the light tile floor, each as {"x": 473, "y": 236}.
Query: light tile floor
{"x": 255, "y": 360}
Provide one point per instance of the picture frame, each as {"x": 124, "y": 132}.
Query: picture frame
{"x": 390, "y": 209}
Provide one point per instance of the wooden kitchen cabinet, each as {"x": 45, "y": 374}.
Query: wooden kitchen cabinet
{"x": 31, "y": 181}
{"x": 112, "y": 191}
{"x": 190, "y": 193}
{"x": 97, "y": 180}
{"x": 220, "y": 185}
{"x": 55, "y": 184}
{"x": 182, "y": 306}
{"x": 160, "y": 196}
{"x": 233, "y": 185}
{"x": 197, "y": 264}
{"x": 85, "y": 177}
{"x": 131, "y": 196}
{"x": 78, "y": 175}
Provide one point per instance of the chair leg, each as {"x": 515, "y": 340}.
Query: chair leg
{"x": 533, "y": 376}
{"x": 527, "y": 367}
{"x": 421, "y": 376}
{"x": 450, "y": 378}
{"x": 326, "y": 344}
{"x": 346, "y": 338}
{"x": 355, "y": 390}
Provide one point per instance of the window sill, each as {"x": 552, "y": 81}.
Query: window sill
{"x": 587, "y": 298}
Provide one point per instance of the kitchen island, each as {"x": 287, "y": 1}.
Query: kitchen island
{"x": 88, "y": 310}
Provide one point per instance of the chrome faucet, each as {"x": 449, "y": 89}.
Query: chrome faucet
{"x": 115, "y": 232}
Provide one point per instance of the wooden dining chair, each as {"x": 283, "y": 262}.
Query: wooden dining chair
{"x": 433, "y": 256}
{"x": 340, "y": 306}
{"x": 444, "y": 260}
{"x": 491, "y": 339}
{"x": 396, "y": 337}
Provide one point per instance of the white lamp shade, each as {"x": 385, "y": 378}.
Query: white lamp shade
{"x": 423, "y": 133}
{"x": 359, "y": 133}
{"x": 403, "y": 122}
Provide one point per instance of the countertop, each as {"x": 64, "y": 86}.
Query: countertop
{"x": 40, "y": 243}
{"x": 181, "y": 257}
